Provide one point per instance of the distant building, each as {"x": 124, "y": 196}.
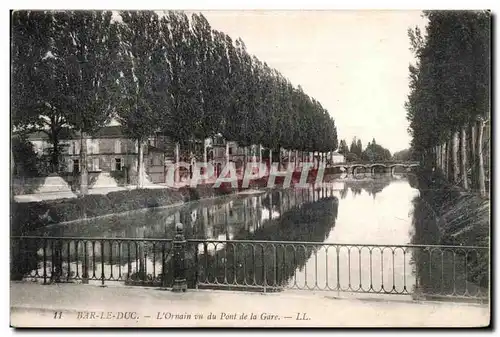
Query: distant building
{"x": 109, "y": 150}
{"x": 337, "y": 158}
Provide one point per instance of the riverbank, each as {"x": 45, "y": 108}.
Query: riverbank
{"x": 446, "y": 215}
{"x": 34, "y": 305}
{"x": 459, "y": 217}
{"x": 29, "y": 216}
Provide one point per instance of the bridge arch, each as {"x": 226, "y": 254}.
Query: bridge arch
{"x": 393, "y": 167}
{"x": 355, "y": 166}
{"x": 373, "y": 166}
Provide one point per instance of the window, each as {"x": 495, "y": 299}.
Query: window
{"x": 230, "y": 150}
{"x": 76, "y": 147}
{"x": 93, "y": 146}
{"x": 118, "y": 164}
{"x": 95, "y": 164}
{"x": 118, "y": 146}
{"x": 76, "y": 165}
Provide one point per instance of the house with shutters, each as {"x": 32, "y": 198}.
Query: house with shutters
{"x": 111, "y": 150}
{"x": 108, "y": 150}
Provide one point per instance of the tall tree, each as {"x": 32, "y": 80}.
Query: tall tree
{"x": 143, "y": 97}
{"x": 450, "y": 91}
{"x": 88, "y": 49}
{"x": 37, "y": 99}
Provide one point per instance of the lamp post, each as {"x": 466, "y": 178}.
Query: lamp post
{"x": 179, "y": 242}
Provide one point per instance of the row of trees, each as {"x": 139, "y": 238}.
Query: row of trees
{"x": 155, "y": 74}
{"x": 449, "y": 103}
{"x": 403, "y": 155}
{"x": 373, "y": 151}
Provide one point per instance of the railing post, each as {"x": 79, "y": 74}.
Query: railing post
{"x": 44, "y": 261}
{"x": 179, "y": 243}
{"x": 338, "y": 268}
{"x": 102, "y": 263}
{"x": 85, "y": 265}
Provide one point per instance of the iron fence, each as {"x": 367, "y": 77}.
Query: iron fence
{"x": 92, "y": 260}
{"x": 418, "y": 270}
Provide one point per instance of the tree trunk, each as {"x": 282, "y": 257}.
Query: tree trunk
{"x": 296, "y": 158}
{"x": 454, "y": 154}
{"x": 480, "y": 160}
{"x": 205, "y": 157}
{"x": 140, "y": 164}
{"x": 463, "y": 158}
{"x": 227, "y": 153}
{"x": 472, "y": 156}
{"x": 444, "y": 160}
{"x": 177, "y": 155}
{"x": 84, "y": 188}
{"x": 271, "y": 205}
{"x": 436, "y": 156}
{"x": 245, "y": 159}
{"x": 261, "y": 174}
{"x": 280, "y": 158}
{"x": 55, "y": 155}
{"x": 449, "y": 157}
{"x": 270, "y": 159}
{"x": 192, "y": 162}
{"x": 440, "y": 156}
{"x": 289, "y": 159}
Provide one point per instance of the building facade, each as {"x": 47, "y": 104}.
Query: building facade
{"x": 109, "y": 150}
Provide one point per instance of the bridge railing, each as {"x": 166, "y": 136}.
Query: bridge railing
{"x": 422, "y": 271}
{"x": 91, "y": 260}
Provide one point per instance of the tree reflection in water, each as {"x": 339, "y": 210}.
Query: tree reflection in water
{"x": 371, "y": 186}
{"x": 267, "y": 264}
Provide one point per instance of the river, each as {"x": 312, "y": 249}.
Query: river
{"x": 369, "y": 211}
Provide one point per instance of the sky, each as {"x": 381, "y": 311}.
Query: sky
{"x": 354, "y": 62}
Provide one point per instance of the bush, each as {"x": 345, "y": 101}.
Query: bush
{"x": 120, "y": 177}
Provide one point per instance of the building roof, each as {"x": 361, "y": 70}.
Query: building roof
{"x": 114, "y": 131}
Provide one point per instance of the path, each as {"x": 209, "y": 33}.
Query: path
{"x": 35, "y": 305}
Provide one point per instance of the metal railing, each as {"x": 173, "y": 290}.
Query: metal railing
{"x": 91, "y": 260}
{"x": 419, "y": 270}
{"x": 422, "y": 271}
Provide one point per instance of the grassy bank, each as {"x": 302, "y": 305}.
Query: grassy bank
{"x": 26, "y": 217}
{"x": 461, "y": 218}
{"x": 446, "y": 215}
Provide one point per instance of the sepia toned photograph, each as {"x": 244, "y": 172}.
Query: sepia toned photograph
{"x": 250, "y": 168}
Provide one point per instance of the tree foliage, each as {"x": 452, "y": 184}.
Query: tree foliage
{"x": 449, "y": 100}
{"x": 449, "y": 84}
{"x": 156, "y": 73}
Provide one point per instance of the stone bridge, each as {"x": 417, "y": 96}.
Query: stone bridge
{"x": 388, "y": 167}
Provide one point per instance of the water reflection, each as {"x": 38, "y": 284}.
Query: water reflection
{"x": 258, "y": 265}
{"x": 206, "y": 219}
{"x": 370, "y": 211}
